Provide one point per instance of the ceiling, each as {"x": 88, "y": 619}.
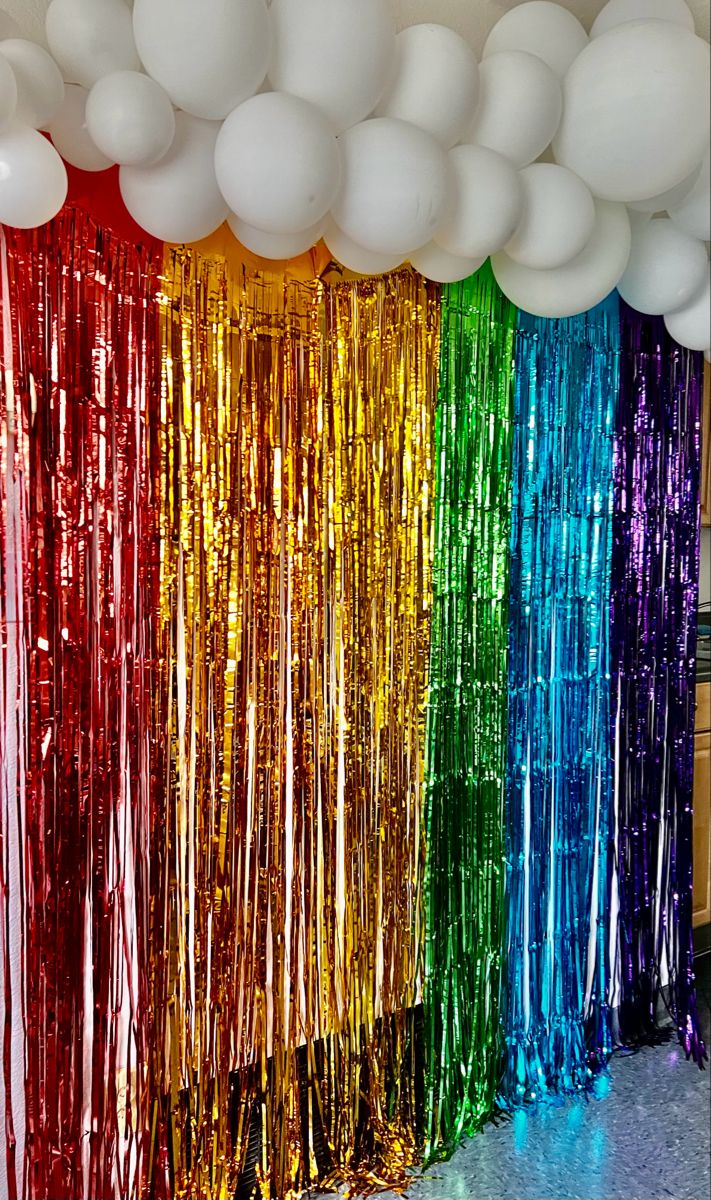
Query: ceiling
{"x": 472, "y": 18}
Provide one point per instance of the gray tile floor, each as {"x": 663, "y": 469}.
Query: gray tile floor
{"x": 643, "y": 1135}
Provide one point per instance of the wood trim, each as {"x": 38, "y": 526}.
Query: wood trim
{"x": 706, "y": 448}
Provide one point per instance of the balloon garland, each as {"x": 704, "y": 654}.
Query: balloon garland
{"x": 318, "y": 120}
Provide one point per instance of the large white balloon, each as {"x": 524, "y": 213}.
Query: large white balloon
{"x": 441, "y": 267}
{"x": 70, "y": 135}
{"x": 90, "y": 38}
{"x": 520, "y": 105}
{"x": 278, "y": 163}
{"x": 209, "y": 55}
{"x": 487, "y": 202}
{"x": 40, "y": 87}
{"x": 396, "y": 186}
{"x": 580, "y": 284}
{"x": 636, "y": 110}
{"x": 558, "y": 217}
{"x": 357, "y": 258}
{"x": 33, "y": 178}
{"x": 436, "y": 82}
{"x": 178, "y": 199}
{"x": 275, "y": 245}
{"x": 130, "y": 118}
{"x": 693, "y": 213}
{"x": 541, "y": 28}
{"x": 690, "y": 325}
{"x": 337, "y": 54}
{"x": 619, "y": 12}
{"x": 8, "y": 93}
{"x": 666, "y": 268}
{"x": 668, "y": 199}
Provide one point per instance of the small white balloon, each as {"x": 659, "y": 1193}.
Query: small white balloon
{"x": 693, "y": 213}
{"x": 90, "y": 38}
{"x": 208, "y": 55}
{"x": 275, "y": 245}
{"x": 441, "y": 267}
{"x": 636, "y": 110}
{"x": 8, "y": 93}
{"x": 580, "y": 284}
{"x": 395, "y": 188}
{"x": 690, "y": 325}
{"x": 619, "y": 12}
{"x": 668, "y": 199}
{"x": 130, "y": 118}
{"x": 520, "y": 106}
{"x": 541, "y": 28}
{"x": 178, "y": 199}
{"x": 666, "y": 268}
{"x": 278, "y": 163}
{"x": 337, "y": 54}
{"x": 486, "y": 206}
{"x": 33, "y": 178}
{"x": 558, "y": 217}
{"x": 70, "y": 135}
{"x": 356, "y": 258}
{"x": 435, "y": 84}
{"x": 40, "y": 87}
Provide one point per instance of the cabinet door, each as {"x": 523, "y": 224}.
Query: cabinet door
{"x": 702, "y": 829}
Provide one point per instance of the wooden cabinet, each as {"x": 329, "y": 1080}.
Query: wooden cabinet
{"x": 706, "y": 448}
{"x": 702, "y": 807}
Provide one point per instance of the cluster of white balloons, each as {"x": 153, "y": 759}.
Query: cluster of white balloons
{"x": 577, "y": 162}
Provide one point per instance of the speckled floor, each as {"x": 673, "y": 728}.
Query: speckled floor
{"x": 645, "y": 1135}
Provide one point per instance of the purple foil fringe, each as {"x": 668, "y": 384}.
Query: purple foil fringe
{"x": 655, "y": 573}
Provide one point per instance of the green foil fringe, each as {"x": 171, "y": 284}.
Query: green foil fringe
{"x": 467, "y": 718}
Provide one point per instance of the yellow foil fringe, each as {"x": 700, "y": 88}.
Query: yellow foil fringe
{"x": 292, "y": 472}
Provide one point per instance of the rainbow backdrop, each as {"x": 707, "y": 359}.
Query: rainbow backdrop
{"x": 307, "y": 728}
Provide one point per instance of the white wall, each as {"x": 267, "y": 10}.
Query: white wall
{"x": 473, "y": 18}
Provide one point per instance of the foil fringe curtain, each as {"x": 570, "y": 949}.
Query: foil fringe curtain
{"x": 251, "y": 881}
{"x": 466, "y": 735}
{"x": 79, "y": 797}
{"x": 654, "y": 604}
{"x": 558, "y": 820}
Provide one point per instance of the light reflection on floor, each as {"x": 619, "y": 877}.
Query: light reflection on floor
{"x": 644, "y": 1134}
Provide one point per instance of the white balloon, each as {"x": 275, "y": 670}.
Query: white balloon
{"x": 666, "y": 268}
{"x": 209, "y": 55}
{"x": 580, "y": 284}
{"x": 636, "y": 110}
{"x": 693, "y": 213}
{"x": 519, "y": 109}
{"x": 436, "y": 83}
{"x": 558, "y": 217}
{"x": 396, "y": 186}
{"x": 178, "y": 199}
{"x": 486, "y": 205}
{"x": 356, "y": 258}
{"x": 130, "y": 118}
{"x": 668, "y": 199}
{"x": 441, "y": 267}
{"x": 337, "y": 54}
{"x": 275, "y": 245}
{"x": 70, "y": 135}
{"x": 278, "y": 164}
{"x": 33, "y": 178}
{"x": 90, "y": 38}
{"x": 40, "y": 87}
{"x": 8, "y": 93}
{"x": 619, "y": 12}
{"x": 690, "y": 325}
{"x": 541, "y": 28}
